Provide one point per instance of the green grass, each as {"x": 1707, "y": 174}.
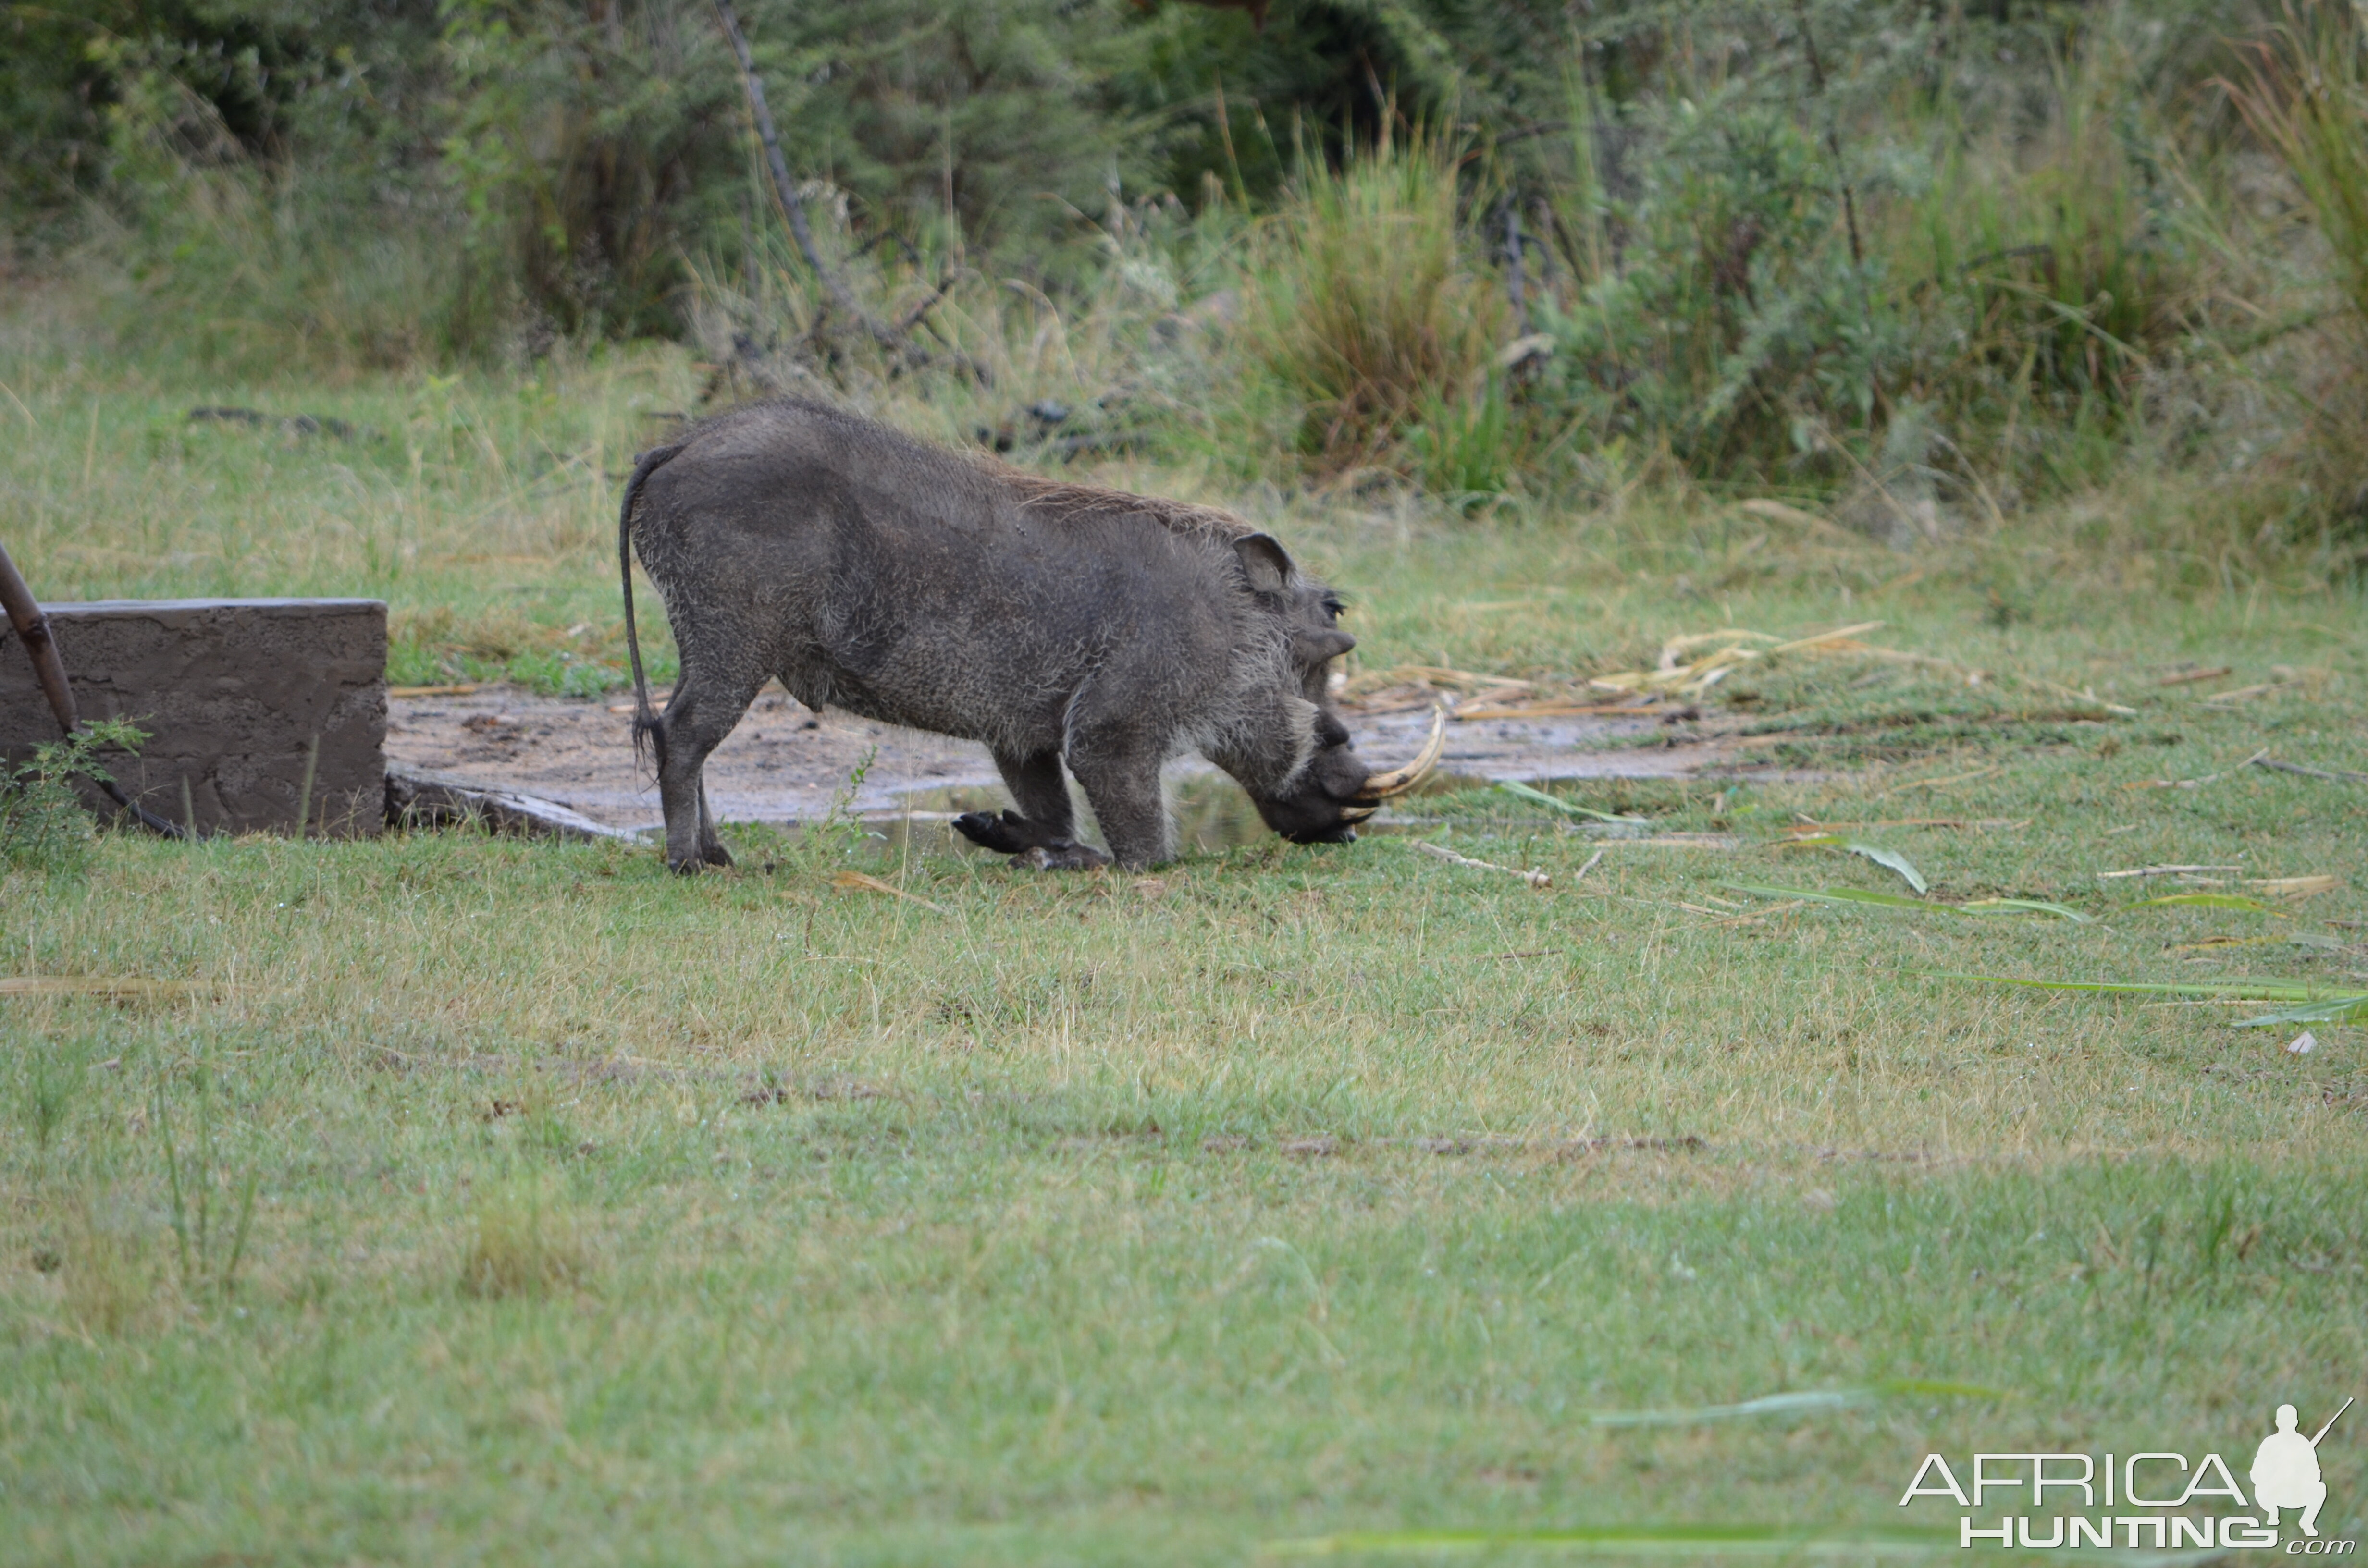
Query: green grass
{"x": 1339, "y": 1196}
{"x": 481, "y": 508}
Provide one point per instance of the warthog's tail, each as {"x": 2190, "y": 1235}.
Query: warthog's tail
{"x": 648, "y": 728}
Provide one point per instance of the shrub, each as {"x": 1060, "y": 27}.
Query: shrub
{"x": 43, "y": 826}
{"x": 1774, "y": 301}
{"x": 2306, "y": 95}
{"x": 1366, "y": 305}
{"x": 1737, "y": 329}
{"x": 2307, "y": 98}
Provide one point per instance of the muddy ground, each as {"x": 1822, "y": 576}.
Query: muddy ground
{"x": 785, "y": 763}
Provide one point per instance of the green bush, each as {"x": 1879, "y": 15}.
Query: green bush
{"x": 1367, "y": 305}
{"x": 1739, "y": 329}
{"x": 43, "y": 826}
{"x": 1948, "y": 257}
{"x": 1791, "y": 292}
{"x": 2306, "y": 96}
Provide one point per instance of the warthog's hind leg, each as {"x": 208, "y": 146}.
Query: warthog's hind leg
{"x": 698, "y": 717}
{"x": 1044, "y": 831}
{"x": 710, "y": 846}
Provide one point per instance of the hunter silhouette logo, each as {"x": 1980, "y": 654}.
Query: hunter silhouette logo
{"x": 2155, "y": 1499}
{"x": 2286, "y": 1471}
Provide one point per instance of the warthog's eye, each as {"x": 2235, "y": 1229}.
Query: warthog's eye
{"x": 1333, "y": 606}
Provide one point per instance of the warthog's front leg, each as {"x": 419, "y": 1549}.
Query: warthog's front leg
{"x": 1124, "y": 790}
{"x": 1044, "y": 828}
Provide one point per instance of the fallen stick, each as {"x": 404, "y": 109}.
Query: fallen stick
{"x": 1535, "y": 878}
{"x": 1591, "y": 859}
{"x": 32, "y": 628}
{"x": 2336, "y": 775}
{"x": 2161, "y": 871}
{"x": 2294, "y": 887}
{"x": 431, "y": 799}
{"x": 856, "y": 879}
{"x": 1556, "y": 710}
{"x": 2197, "y": 783}
{"x": 2091, "y": 697}
{"x": 2245, "y": 693}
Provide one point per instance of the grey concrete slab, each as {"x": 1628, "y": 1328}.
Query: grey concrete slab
{"x": 241, "y": 698}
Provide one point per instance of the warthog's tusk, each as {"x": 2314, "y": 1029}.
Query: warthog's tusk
{"x": 1398, "y": 781}
{"x": 1352, "y": 815}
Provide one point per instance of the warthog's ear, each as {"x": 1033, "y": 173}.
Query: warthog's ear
{"x": 1264, "y": 562}
{"x": 1315, "y": 647}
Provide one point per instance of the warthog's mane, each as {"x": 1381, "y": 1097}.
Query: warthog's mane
{"x": 1062, "y": 498}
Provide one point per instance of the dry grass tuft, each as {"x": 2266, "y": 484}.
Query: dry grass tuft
{"x": 113, "y": 1284}
{"x": 525, "y": 1242}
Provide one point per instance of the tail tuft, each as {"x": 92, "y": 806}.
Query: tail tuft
{"x": 649, "y": 728}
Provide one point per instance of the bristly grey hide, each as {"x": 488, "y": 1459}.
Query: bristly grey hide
{"x": 1057, "y": 623}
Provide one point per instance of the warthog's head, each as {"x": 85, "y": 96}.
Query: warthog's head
{"x": 1323, "y": 802}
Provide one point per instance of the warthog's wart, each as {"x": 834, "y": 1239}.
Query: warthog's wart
{"x": 1054, "y": 622}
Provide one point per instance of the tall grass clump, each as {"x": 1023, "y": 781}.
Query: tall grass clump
{"x": 2306, "y": 98}
{"x": 1891, "y": 303}
{"x": 523, "y": 1241}
{"x": 2304, "y": 94}
{"x": 1368, "y": 309}
{"x": 2056, "y": 271}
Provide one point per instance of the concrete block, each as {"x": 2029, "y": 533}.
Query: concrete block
{"x": 237, "y": 695}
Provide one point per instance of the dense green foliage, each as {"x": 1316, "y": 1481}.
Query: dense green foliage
{"x": 1922, "y": 264}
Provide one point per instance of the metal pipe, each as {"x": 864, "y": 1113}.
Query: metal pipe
{"x": 25, "y": 615}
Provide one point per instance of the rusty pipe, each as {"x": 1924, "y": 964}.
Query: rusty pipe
{"x": 25, "y": 615}
{"x": 33, "y": 629}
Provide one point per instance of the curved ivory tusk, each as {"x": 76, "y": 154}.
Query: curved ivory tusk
{"x": 1355, "y": 814}
{"x": 1398, "y": 781}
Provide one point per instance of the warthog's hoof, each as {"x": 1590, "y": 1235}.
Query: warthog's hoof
{"x": 1066, "y": 855}
{"x": 1027, "y": 842}
{"x": 712, "y": 854}
{"x": 1009, "y": 833}
{"x": 1012, "y": 833}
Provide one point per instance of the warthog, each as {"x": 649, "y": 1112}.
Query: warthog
{"x": 1054, "y": 623}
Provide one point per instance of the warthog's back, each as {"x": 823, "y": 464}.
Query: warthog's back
{"x": 918, "y": 587}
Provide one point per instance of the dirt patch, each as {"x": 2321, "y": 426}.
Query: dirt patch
{"x": 785, "y": 763}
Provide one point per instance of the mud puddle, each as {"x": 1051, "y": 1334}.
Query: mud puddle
{"x": 785, "y": 765}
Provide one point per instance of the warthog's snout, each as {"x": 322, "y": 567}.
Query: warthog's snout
{"x": 1337, "y": 791}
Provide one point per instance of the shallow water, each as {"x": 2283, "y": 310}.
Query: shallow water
{"x": 1211, "y": 812}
